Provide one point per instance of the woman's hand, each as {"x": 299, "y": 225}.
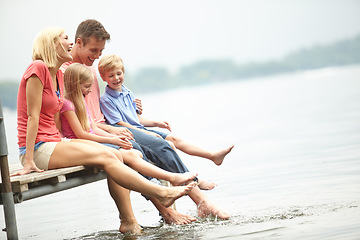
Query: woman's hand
{"x": 28, "y": 168}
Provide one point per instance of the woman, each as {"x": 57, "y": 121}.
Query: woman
{"x": 40, "y": 98}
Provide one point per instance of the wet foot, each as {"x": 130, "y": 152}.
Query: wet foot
{"x": 182, "y": 178}
{"x": 173, "y": 217}
{"x": 206, "y": 185}
{"x": 219, "y": 156}
{"x": 173, "y": 193}
{"x": 130, "y": 227}
{"x": 206, "y": 208}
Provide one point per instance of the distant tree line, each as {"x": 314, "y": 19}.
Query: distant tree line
{"x": 212, "y": 71}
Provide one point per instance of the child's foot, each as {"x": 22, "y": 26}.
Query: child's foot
{"x": 206, "y": 208}
{"x": 182, "y": 178}
{"x": 130, "y": 227}
{"x": 219, "y": 156}
{"x": 206, "y": 185}
{"x": 173, "y": 193}
{"x": 173, "y": 217}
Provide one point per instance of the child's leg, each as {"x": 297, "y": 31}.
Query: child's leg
{"x": 132, "y": 158}
{"x": 186, "y": 147}
{"x": 82, "y": 152}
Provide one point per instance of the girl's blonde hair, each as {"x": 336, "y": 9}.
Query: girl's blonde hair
{"x": 74, "y": 75}
{"x": 110, "y": 62}
{"x": 44, "y": 45}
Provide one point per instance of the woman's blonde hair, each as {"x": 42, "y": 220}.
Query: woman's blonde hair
{"x": 110, "y": 62}
{"x": 44, "y": 45}
{"x": 74, "y": 75}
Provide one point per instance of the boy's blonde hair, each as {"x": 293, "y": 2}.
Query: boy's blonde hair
{"x": 44, "y": 45}
{"x": 74, "y": 75}
{"x": 110, "y": 62}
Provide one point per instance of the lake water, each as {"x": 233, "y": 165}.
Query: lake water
{"x": 294, "y": 172}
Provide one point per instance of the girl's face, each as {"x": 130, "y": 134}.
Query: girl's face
{"x": 114, "y": 78}
{"x": 86, "y": 86}
{"x": 63, "y": 48}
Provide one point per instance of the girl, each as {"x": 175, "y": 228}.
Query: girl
{"x": 77, "y": 123}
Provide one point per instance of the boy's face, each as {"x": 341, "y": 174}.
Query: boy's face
{"x": 114, "y": 78}
{"x": 91, "y": 51}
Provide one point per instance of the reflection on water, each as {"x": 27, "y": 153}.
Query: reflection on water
{"x": 294, "y": 172}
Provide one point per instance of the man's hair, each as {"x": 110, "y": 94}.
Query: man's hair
{"x": 89, "y": 28}
{"x": 110, "y": 62}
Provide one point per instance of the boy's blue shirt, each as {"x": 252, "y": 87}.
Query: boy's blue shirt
{"x": 119, "y": 106}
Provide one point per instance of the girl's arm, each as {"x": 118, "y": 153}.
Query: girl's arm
{"x": 82, "y": 134}
{"x": 152, "y": 123}
{"x": 34, "y": 89}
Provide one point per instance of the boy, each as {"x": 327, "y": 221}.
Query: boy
{"x": 117, "y": 104}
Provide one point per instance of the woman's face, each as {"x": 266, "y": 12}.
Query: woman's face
{"x": 63, "y": 48}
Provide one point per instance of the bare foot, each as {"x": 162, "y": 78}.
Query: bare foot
{"x": 206, "y": 185}
{"x": 173, "y": 193}
{"x": 130, "y": 227}
{"x": 171, "y": 216}
{"x": 181, "y": 178}
{"x": 219, "y": 156}
{"x": 206, "y": 208}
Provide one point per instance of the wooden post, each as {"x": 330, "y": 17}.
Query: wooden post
{"x": 6, "y": 194}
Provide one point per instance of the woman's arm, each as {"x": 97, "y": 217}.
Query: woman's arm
{"x": 82, "y": 134}
{"x": 34, "y": 89}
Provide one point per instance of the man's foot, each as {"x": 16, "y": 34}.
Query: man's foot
{"x": 173, "y": 193}
{"x": 219, "y": 156}
{"x": 171, "y": 216}
{"x": 130, "y": 227}
{"x": 206, "y": 185}
{"x": 206, "y": 208}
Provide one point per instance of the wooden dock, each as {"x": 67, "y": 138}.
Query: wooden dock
{"x": 35, "y": 184}
{"x": 17, "y": 189}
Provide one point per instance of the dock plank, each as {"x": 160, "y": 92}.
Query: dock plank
{"x": 25, "y": 182}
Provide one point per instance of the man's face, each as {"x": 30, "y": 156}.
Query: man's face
{"x": 91, "y": 51}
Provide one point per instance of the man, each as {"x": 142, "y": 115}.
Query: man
{"x": 90, "y": 40}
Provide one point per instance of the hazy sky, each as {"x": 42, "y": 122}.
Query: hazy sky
{"x": 178, "y": 33}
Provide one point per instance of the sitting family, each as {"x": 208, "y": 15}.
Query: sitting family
{"x": 61, "y": 123}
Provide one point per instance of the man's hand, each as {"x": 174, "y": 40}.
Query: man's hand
{"x": 138, "y": 105}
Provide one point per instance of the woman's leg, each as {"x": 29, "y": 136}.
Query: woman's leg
{"x": 133, "y": 160}
{"x": 186, "y": 147}
{"x": 121, "y": 197}
{"x": 79, "y": 152}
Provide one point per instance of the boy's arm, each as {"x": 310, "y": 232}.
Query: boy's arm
{"x": 152, "y": 123}
{"x": 125, "y": 124}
